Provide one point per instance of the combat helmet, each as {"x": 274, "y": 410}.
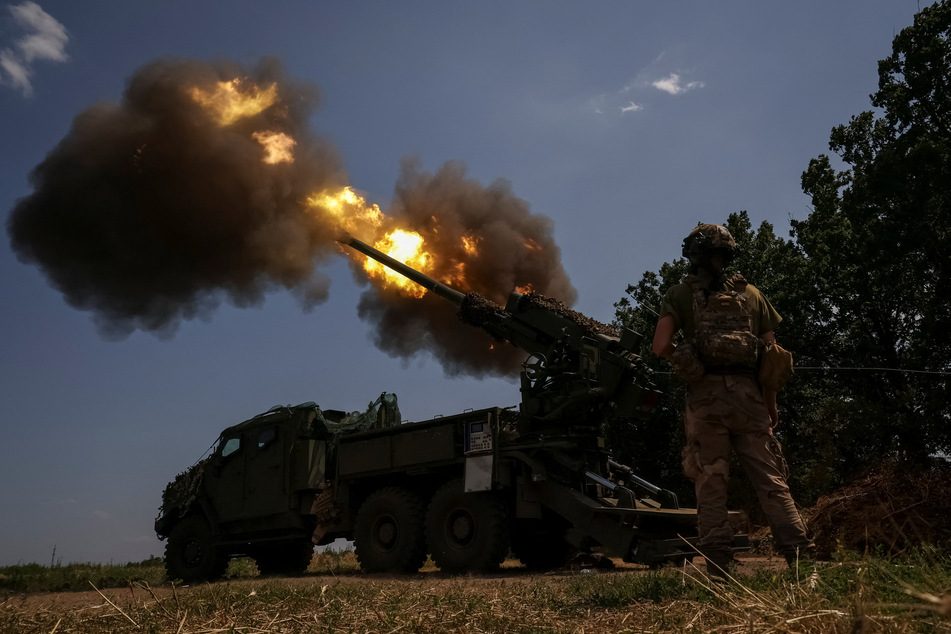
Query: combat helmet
{"x": 706, "y": 238}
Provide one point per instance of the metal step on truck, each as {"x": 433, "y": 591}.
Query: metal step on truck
{"x": 464, "y": 489}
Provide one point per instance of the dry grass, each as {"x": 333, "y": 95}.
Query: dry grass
{"x": 863, "y": 595}
{"x": 888, "y": 509}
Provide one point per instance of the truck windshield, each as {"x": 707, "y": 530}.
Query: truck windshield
{"x": 230, "y": 446}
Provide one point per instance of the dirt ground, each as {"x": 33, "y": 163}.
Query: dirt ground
{"x": 884, "y": 508}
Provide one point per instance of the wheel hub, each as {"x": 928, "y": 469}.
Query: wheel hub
{"x": 386, "y": 533}
{"x": 461, "y": 527}
{"x": 192, "y": 552}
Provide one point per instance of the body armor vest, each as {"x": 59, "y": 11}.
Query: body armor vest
{"x": 724, "y": 337}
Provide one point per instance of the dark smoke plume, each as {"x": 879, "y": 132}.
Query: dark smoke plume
{"x": 513, "y": 248}
{"x": 149, "y": 212}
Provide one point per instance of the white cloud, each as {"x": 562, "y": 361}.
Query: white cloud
{"x": 673, "y": 85}
{"x": 102, "y": 515}
{"x": 45, "y": 39}
{"x": 636, "y": 94}
{"x": 15, "y": 72}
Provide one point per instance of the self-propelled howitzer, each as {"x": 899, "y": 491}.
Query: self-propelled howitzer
{"x": 579, "y": 370}
{"x": 464, "y": 489}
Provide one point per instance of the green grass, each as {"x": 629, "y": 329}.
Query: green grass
{"x": 907, "y": 594}
{"x": 59, "y": 578}
{"x": 852, "y": 594}
{"x": 33, "y": 577}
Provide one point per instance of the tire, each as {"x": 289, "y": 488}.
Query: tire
{"x": 191, "y": 553}
{"x": 467, "y": 532}
{"x": 287, "y": 558}
{"x": 540, "y": 544}
{"x": 388, "y": 533}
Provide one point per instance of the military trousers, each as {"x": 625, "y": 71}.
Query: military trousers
{"x": 724, "y": 411}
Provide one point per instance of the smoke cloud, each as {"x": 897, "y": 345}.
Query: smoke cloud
{"x": 510, "y": 248}
{"x": 150, "y": 211}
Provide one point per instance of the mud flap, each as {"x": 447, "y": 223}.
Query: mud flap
{"x": 478, "y": 473}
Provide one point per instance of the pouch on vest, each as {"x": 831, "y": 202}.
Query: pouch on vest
{"x": 686, "y": 363}
{"x": 775, "y": 368}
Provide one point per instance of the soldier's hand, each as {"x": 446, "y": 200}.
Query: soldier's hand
{"x": 769, "y": 397}
{"x": 773, "y": 414}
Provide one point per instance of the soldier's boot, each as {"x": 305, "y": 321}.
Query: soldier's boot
{"x": 801, "y": 557}
{"x": 720, "y": 565}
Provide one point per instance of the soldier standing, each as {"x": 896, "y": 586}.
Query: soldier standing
{"x": 727, "y": 325}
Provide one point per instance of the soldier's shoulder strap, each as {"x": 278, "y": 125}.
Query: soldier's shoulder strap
{"x": 738, "y": 282}
{"x": 699, "y": 298}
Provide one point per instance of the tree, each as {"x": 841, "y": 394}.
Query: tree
{"x": 885, "y": 291}
{"x": 652, "y": 447}
{"x": 863, "y": 285}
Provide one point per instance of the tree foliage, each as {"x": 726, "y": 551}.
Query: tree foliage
{"x": 863, "y": 285}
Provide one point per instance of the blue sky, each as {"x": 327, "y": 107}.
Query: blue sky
{"x": 625, "y": 123}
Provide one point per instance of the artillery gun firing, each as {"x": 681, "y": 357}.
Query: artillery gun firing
{"x": 466, "y": 489}
{"x": 579, "y": 371}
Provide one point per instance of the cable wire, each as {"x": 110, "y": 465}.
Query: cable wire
{"x": 858, "y": 369}
{"x": 901, "y": 370}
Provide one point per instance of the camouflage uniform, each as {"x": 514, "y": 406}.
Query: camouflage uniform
{"x": 725, "y": 409}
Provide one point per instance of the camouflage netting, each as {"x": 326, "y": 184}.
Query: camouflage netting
{"x": 888, "y": 509}
{"x": 480, "y": 312}
{"x": 593, "y": 326}
{"x": 383, "y": 412}
{"x": 182, "y": 491}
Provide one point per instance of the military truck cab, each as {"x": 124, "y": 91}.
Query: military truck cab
{"x": 250, "y": 496}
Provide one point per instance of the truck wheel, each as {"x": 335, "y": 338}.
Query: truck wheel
{"x": 191, "y": 553}
{"x": 540, "y": 544}
{"x": 284, "y": 559}
{"x": 467, "y": 531}
{"x": 388, "y": 533}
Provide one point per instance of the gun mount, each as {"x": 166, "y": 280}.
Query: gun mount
{"x": 579, "y": 371}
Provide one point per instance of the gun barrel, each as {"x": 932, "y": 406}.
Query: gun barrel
{"x": 440, "y": 289}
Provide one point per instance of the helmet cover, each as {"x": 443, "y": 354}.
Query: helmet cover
{"x": 705, "y": 238}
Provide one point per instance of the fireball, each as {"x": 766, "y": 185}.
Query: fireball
{"x": 343, "y": 209}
